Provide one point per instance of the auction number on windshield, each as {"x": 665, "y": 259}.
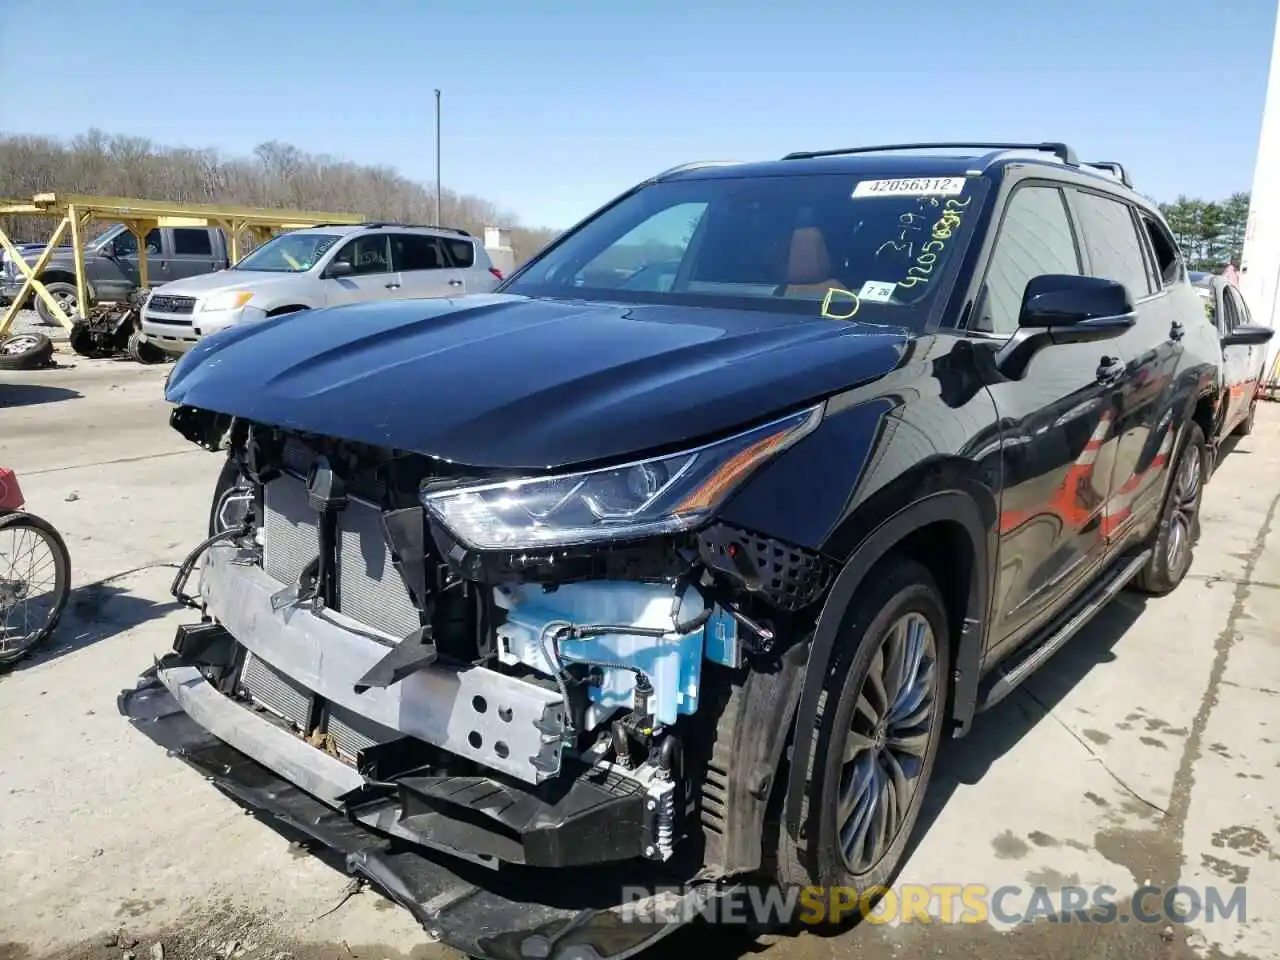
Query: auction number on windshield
{"x": 911, "y": 187}
{"x": 943, "y": 228}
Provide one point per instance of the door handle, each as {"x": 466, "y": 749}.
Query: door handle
{"x": 392, "y": 286}
{"x": 455, "y": 283}
{"x": 1177, "y": 331}
{"x": 1110, "y": 370}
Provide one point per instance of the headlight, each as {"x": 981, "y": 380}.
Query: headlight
{"x": 660, "y": 495}
{"x": 227, "y": 300}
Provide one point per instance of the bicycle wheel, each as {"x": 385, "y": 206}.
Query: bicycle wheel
{"x": 35, "y": 582}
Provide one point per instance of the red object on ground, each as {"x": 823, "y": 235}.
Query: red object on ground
{"x": 10, "y": 492}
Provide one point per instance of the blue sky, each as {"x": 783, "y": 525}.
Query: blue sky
{"x": 551, "y": 108}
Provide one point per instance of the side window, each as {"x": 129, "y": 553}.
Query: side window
{"x": 1242, "y": 308}
{"x": 126, "y": 244}
{"x": 1111, "y": 240}
{"x": 462, "y": 253}
{"x": 1231, "y": 305}
{"x": 414, "y": 251}
{"x": 367, "y": 254}
{"x": 653, "y": 247}
{"x": 191, "y": 242}
{"x": 1035, "y": 238}
{"x": 1169, "y": 266}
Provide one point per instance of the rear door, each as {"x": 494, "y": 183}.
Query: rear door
{"x": 1241, "y": 364}
{"x": 423, "y": 266}
{"x": 466, "y": 272}
{"x": 372, "y": 276}
{"x": 1151, "y": 350}
{"x": 1058, "y": 424}
{"x": 193, "y": 252}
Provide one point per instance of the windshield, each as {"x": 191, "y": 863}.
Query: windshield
{"x": 828, "y": 244}
{"x": 288, "y": 253}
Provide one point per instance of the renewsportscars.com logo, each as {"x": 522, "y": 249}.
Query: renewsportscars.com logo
{"x": 937, "y": 903}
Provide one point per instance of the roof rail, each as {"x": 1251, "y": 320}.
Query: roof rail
{"x": 692, "y": 165}
{"x": 418, "y": 226}
{"x": 1060, "y": 150}
{"x": 1114, "y": 167}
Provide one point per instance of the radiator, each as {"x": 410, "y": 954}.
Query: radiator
{"x": 370, "y": 590}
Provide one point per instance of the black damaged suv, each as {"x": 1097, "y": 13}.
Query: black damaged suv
{"x": 676, "y": 561}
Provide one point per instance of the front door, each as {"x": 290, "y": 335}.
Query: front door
{"x": 1058, "y": 425}
{"x": 1241, "y": 363}
{"x": 372, "y": 277}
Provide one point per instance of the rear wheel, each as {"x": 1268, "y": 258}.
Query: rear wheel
{"x": 35, "y": 581}
{"x": 1173, "y": 541}
{"x": 68, "y": 299}
{"x": 880, "y": 720}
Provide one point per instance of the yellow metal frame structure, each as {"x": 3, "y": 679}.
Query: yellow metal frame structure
{"x": 75, "y": 213}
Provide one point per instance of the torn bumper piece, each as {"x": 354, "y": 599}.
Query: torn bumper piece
{"x": 579, "y": 913}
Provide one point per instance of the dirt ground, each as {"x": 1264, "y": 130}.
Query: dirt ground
{"x": 1146, "y": 752}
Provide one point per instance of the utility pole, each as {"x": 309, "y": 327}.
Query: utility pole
{"x": 438, "y": 222}
{"x": 1260, "y": 262}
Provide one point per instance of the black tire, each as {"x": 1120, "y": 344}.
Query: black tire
{"x": 899, "y": 591}
{"x": 26, "y": 351}
{"x": 11, "y": 525}
{"x": 231, "y": 483}
{"x": 1245, "y": 426}
{"x": 68, "y": 298}
{"x": 1173, "y": 541}
{"x": 143, "y": 350}
{"x": 86, "y": 344}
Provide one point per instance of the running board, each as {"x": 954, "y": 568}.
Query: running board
{"x": 1008, "y": 677}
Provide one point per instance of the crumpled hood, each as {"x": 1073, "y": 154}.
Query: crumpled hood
{"x": 501, "y": 381}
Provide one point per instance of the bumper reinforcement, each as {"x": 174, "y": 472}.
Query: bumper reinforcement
{"x": 514, "y": 913}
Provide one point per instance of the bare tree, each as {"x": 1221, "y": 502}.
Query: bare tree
{"x": 277, "y": 175}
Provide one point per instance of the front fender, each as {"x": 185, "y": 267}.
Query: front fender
{"x": 954, "y": 506}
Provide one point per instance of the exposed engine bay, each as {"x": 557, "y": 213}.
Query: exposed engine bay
{"x": 554, "y": 706}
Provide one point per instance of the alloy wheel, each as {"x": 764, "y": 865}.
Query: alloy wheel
{"x": 888, "y": 740}
{"x": 1183, "y": 508}
{"x": 19, "y": 344}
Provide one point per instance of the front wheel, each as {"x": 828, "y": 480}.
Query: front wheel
{"x": 35, "y": 582}
{"x": 1173, "y": 542}
{"x": 881, "y": 717}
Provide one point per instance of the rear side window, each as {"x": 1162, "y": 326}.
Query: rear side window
{"x": 1169, "y": 266}
{"x": 1035, "y": 238}
{"x": 188, "y": 242}
{"x": 1111, "y": 240}
{"x": 414, "y": 251}
{"x": 461, "y": 252}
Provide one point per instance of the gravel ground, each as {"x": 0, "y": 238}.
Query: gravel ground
{"x": 28, "y": 321}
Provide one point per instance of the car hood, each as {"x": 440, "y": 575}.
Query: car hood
{"x": 205, "y": 284}
{"x": 501, "y": 381}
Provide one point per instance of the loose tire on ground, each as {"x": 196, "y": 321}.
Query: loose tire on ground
{"x": 26, "y": 351}
{"x": 1173, "y": 542}
{"x": 84, "y": 343}
{"x": 142, "y": 350}
{"x": 899, "y": 592}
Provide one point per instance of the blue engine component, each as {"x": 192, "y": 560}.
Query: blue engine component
{"x": 673, "y": 662}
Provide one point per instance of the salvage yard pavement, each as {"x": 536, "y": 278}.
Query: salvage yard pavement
{"x": 1146, "y": 753}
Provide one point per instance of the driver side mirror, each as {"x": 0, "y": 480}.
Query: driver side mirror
{"x": 1062, "y": 308}
{"x": 1248, "y": 335}
{"x": 339, "y": 268}
{"x": 108, "y": 250}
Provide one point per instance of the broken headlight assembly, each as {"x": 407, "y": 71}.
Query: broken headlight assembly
{"x": 659, "y": 495}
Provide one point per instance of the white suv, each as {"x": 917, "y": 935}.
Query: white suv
{"x": 320, "y": 266}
